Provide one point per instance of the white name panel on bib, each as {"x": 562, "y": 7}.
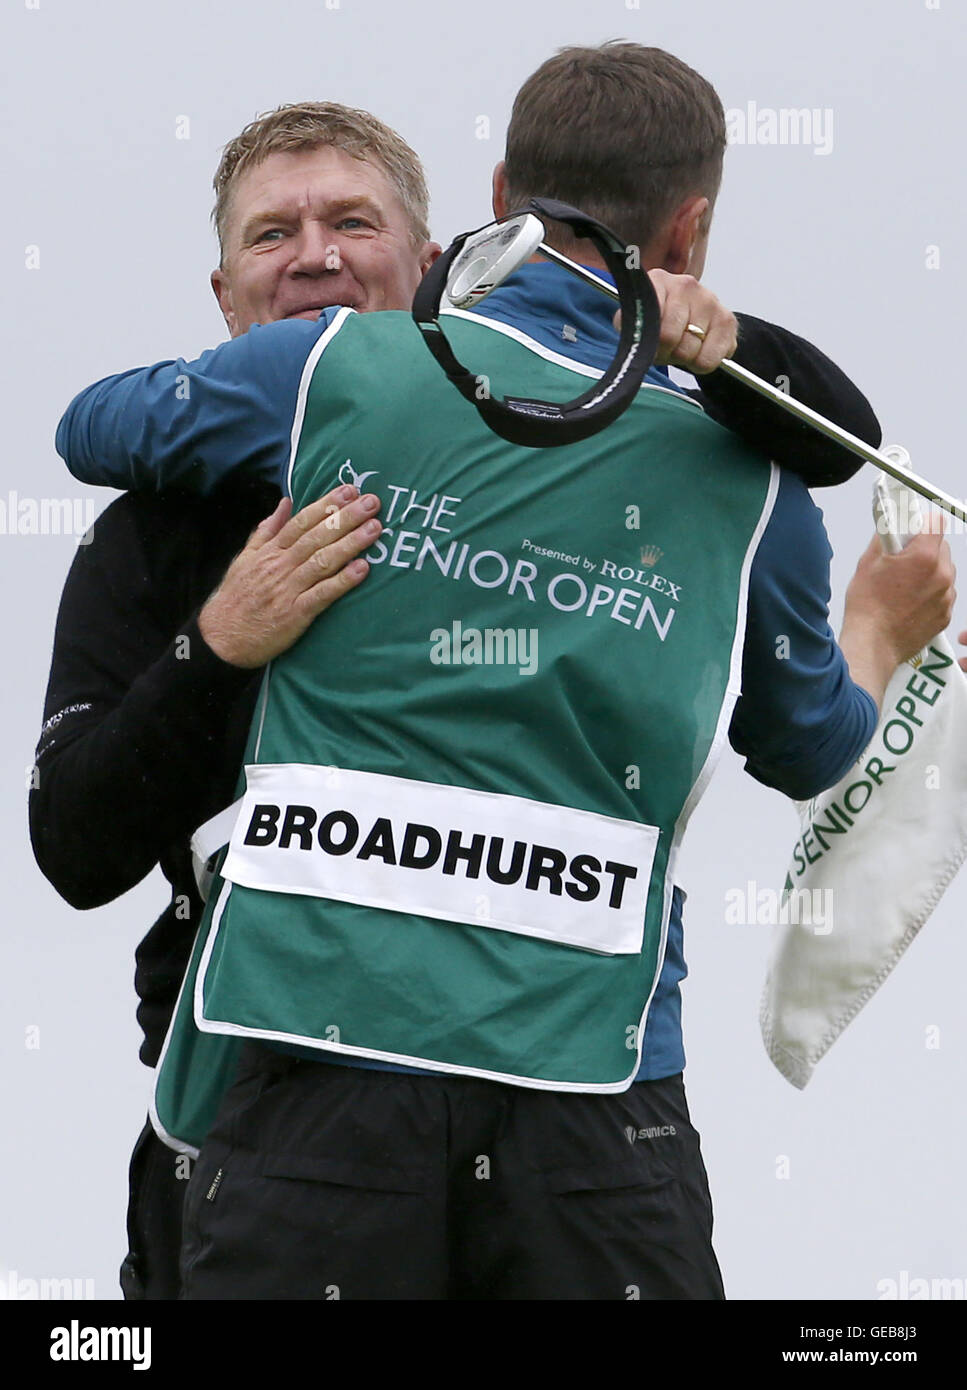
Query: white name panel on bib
{"x": 481, "y": 858}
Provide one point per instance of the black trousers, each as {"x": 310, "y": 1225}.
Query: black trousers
{"x": 157, "y": 1183}
{"x": 320, "y": 1181}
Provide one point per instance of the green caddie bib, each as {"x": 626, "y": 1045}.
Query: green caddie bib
{"x": 466, "y": 784}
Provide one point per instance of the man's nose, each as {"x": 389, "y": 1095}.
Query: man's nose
{"x": 317, "y": 251}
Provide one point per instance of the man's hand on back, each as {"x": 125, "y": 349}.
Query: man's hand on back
{"x": 292, "y": 569}
{"x": 683, "y": 300}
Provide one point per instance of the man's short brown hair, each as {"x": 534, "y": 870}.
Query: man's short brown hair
{"x": 310, "y": 125}
{"x": 622, "y": 132}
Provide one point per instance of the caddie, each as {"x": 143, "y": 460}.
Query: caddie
{"x": 465, "y": 868}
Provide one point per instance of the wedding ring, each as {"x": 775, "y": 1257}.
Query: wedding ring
{"x": 694, "y": 328}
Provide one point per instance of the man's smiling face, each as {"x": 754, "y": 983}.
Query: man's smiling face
{"x": 307, "y": 229}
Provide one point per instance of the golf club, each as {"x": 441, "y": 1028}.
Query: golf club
{"x": 496, "y": 252}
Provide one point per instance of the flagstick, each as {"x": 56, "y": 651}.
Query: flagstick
{"x": 793, "y": 407}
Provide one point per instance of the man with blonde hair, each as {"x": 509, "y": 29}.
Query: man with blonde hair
{"x": 317, "y": 204}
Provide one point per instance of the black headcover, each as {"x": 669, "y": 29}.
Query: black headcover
{"x": 539, "y": 424}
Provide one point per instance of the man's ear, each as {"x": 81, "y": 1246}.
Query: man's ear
{"x": 223, "y": 293}
{"x": 500, "y": 190}
{"x": 681, "y": 234}
{"x": 431, "y": 249}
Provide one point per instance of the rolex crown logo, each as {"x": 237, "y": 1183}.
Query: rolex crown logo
{"x": 651, "y": 554}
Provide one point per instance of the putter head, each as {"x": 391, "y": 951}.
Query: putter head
{"x": 490, "y": 256}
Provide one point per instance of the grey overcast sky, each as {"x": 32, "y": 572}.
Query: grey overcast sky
{"x": 114, "y": 114}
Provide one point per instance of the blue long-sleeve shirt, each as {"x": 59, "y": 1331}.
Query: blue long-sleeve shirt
{"x": 800, "y": 724}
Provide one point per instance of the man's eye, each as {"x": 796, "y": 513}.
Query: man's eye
{"x": 270, "y": 232}
{"x": 352, "y": 222}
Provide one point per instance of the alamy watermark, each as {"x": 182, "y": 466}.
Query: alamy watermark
{"x": 13, "y": 1288}
{"x": 914, "y": 1288}
{"x": 47, "y": 516}
{"x": 77, "y": 1343}
{"x": 753, "y": 124}
{"x": 490, "y": 646}
{"x": 767, "y": 907}
{"x": 907, "y": 514}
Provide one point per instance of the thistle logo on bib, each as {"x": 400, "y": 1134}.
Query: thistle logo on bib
{"x": 484, "y": 859}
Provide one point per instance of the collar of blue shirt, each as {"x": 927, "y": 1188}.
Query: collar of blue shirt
{"x": 562, "y": 313}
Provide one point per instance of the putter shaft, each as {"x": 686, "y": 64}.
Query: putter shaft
{"x": 793, "y": 407}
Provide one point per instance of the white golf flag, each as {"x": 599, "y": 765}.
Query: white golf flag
{"x": 876, "y": 852}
